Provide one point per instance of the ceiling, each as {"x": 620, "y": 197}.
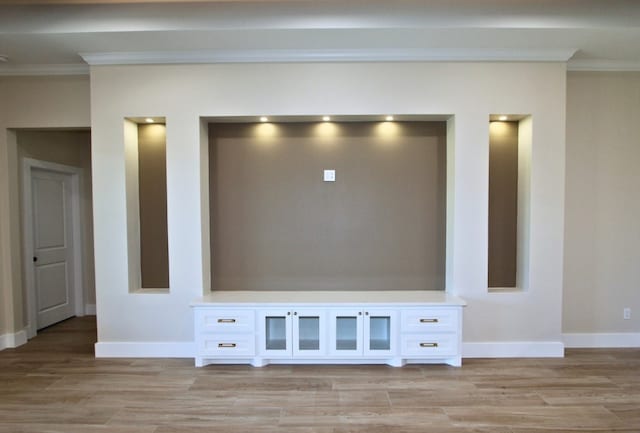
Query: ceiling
{"x": 62, "y": 36}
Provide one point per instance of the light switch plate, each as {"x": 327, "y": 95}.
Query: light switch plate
{"x": 329, "y": 176}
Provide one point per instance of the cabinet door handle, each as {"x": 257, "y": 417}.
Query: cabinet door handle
{"x": 359, "y": 313}
{"x": 295, "y": 313}
{"x": 288, "y": 313}
{"x": 428, "y": 320}
{"x": 226, "y": 320}
{"x": 366, "y": 313}
{"x": 428, "y": 344}
{"x": 227, "y": 345}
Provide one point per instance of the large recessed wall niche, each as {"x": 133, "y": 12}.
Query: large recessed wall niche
{"x": 277, "y": 225}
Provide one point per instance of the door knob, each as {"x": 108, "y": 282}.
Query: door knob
{"x": 35, "y": 259}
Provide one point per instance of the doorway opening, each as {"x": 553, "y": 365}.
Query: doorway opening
{"x": 56, "y": 226}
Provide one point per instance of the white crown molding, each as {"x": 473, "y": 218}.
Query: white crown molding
{"x": 332, "y": 55}
{"x": 44, "y": 69}
{"x": 341, "y": 55}
{"x": 603, "y": 65}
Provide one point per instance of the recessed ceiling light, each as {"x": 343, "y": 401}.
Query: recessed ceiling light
{"x": 264, "y": 119}
{"x": 503, "y": 118}
{"x": 149, "y": 120}
{"x": 389, "y": 118}
{"x": 326, "y": 118}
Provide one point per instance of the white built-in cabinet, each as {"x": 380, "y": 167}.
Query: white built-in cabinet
{"x": 328, "y": 327}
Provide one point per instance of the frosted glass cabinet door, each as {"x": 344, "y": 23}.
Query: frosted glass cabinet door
{"x": 380, "y": 332}
{"x": 345, "y": 332}
{"x": 274, "y": 332}
{"x": 309, "y": 332}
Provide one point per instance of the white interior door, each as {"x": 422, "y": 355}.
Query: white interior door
{"x": 52, "y": 224}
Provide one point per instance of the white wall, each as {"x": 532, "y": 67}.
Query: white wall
{"x": 602, "y": 237}
{"x": 6, "y": 295}
{"x": 28, "y": 102}
{"x": 469, "y": 91}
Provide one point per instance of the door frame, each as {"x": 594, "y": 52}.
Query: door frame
{"x": 76, "y": 176}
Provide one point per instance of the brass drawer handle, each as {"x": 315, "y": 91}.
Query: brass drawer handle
{"x": 227, "y": 345}
{"x": 226, "y": 320}
{"x": 428, "y": 344}
{"x": 428, "y": 320}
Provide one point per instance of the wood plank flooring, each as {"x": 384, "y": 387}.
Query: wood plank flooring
{"x": 54, "y": 384}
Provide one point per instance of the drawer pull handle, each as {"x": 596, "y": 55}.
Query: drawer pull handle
{"x": 428, "y": 320}
{"x": 226, "y": 320}
{"x": 428, "y": 344}
{"x": 227, "y": 345}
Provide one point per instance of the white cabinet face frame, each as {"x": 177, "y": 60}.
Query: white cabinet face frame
{"x": 346, "y": 332}
{"x": 380, "y": 332}
{"x": 309, "y": 332}
{"x": 274, "y": 333}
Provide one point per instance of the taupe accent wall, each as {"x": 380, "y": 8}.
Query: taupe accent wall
{"x": 152, "y": 182}
{"x": 503, "y": 203}
{"x": 276, "y": 225}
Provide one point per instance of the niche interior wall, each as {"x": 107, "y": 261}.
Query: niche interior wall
{"x": 277, "y": 224}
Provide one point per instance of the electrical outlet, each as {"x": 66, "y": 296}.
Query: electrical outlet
{"x": 626, "y": 313}
{"x": 329, "y": 176}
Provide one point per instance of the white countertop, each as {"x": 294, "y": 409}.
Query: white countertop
{"x": 342, "y": 298}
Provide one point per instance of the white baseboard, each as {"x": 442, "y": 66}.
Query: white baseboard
{"x": 90, "y": 309}
{"x": 145, "y": 349}
{"x": 610, "y": 340}
{"x": 9, "y": 341}
{"x": 519, "y": 349}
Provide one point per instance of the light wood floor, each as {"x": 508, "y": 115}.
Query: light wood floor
{"x": 54, "y": 384}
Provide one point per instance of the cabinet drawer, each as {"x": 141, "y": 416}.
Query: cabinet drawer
{"x": 429, "y": 320}
{"x": 231, "y": 345}
{"x": 429, "y": 345}
{"x": 225, "y": 321}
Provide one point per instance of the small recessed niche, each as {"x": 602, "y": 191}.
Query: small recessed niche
{"x": 510, "y": 144}
{"x": 146, "y": 183}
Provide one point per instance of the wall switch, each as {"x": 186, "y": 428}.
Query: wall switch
{"x": 626, "y": 313}
{"x": 329, "y": 175}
